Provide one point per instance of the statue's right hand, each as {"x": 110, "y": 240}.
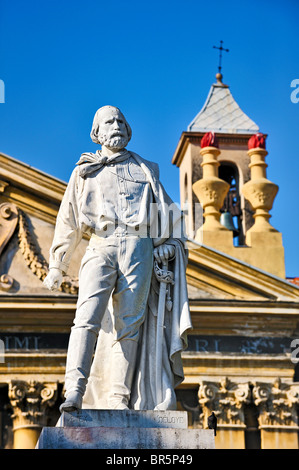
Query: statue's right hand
{"x": 53, "y": 279}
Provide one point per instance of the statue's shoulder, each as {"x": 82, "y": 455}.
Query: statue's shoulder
{"x": 74, "y": 175}
{"x": 76, "y": 183}
{"x": 151, "y": 165}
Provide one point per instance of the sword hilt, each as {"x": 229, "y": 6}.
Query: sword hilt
{"x": 163, "y": 274}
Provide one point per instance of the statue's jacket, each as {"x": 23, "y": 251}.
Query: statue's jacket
{"x": 100, "y": 195}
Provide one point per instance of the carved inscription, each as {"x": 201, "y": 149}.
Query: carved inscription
{"x": 239, "y": 344}
{"x": 33, "y": 342}
{"x": 169, "y": 419}
{"x": 26, "y": 342}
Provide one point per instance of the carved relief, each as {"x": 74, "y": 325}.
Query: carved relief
{"x": 210, "y": 194}
{"x": 10, "y": 215}
{"x": 260, "y": 195}
{"x": 226, "y": 399}
{"x": 211, "y": 191}
{"x": 8, "y": 223}
{"x": 30, "y": 402}
{"x": 35, "y": 260}
{"x": 6, "y": 282}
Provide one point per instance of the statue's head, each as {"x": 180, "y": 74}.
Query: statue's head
{"x": 110, "y": 128}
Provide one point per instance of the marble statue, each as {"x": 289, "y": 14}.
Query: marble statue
{"x": 115, "y": 346}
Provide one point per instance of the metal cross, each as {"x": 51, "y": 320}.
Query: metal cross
{"x": 220, "y": 54}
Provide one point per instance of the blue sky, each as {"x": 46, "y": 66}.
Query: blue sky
{"x": 61, "y": 60}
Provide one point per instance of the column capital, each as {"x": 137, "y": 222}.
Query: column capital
{"x": 278, "y": 403}
{"x": 227, "y": 399}
{"x": 30, "y": 400}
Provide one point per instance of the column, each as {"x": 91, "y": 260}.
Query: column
{"x": 30, "y": 402}
{"x": 226, "y": 399}
{"x": 278, "y": 421}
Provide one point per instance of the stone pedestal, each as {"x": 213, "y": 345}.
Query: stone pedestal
{"x": 104, "y": 429}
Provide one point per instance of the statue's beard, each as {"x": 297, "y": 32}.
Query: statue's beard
{"x": 117, "y": 142}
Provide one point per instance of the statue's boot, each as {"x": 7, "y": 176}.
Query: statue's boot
{"x": 73, "y": 402}
{"x": 122, "y": 372}
{"x": 79, "y": 359}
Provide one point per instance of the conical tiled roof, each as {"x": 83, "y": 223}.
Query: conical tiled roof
{"x": 222, "y": 114}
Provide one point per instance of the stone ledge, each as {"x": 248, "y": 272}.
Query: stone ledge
{"x": 116, "y": 438}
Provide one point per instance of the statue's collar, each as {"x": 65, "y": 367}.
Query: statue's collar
{"x": 90, "y": 162}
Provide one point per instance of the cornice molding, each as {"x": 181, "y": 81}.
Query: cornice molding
{"x": 195, "y": 138}
{"x": 242, "y": 367}
{"x": 31, "y": 178}
{"x": 53, "y": 314}
{"x": 206, "y": 265}
{"x": 30, "y": 189}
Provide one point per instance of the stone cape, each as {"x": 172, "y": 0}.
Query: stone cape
{"x": 177, "y": 324}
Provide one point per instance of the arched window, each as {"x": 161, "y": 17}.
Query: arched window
{"x": 185, "y": 202}
{"x": 232, "y": 204}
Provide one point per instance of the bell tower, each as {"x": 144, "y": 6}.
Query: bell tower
{"x": 222, "y": 116}
{"x": 222, "y": 165}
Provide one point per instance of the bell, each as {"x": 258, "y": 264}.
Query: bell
{"x": 226, "y": 220}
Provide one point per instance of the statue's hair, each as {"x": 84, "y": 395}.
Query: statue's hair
{"x": 96, "y": 124}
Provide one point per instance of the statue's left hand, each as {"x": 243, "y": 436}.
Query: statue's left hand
{"x": 164, "y": 252}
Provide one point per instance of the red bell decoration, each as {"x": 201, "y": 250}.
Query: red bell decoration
{"x": 257, "y": 141}
{"x": 209, "y": 140}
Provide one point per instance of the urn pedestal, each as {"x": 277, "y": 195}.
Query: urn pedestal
{"x": 260, "y": 192}
{"x": 211, "y": 192}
